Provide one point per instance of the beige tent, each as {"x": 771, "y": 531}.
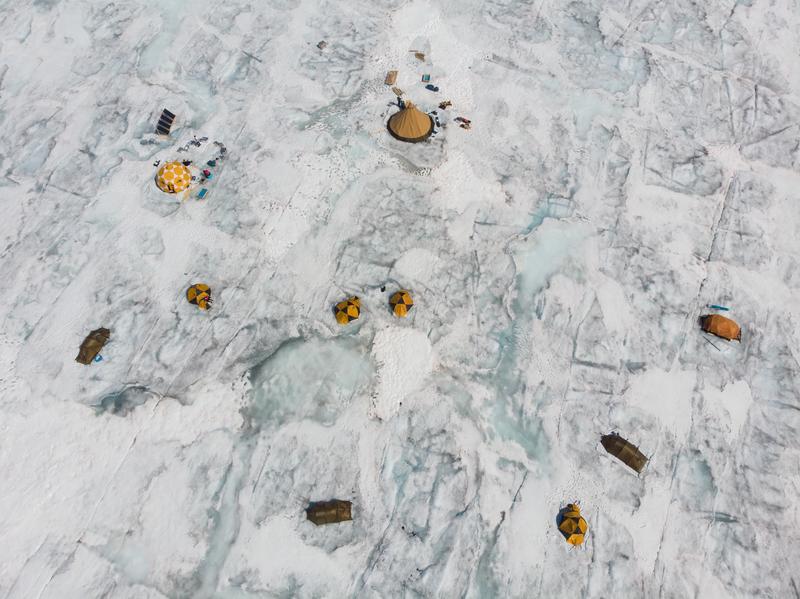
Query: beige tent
{"x": 410, "y": 124}
{"x": 92, "y": 345}
{"x": 391, "y": 77}
{"x": 329, "y": 512}
{"x": 623, "y": 450}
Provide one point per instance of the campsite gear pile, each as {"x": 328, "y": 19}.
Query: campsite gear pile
{"x": 195, "y": 141}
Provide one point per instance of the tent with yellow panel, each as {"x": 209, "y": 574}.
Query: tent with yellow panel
{"x": 401, "y": 303}
{"x": 173, "y": 177}
{"x": 348, "y": 310}
{"x": 199, "y": 294}
{"x": 572, "y": 525}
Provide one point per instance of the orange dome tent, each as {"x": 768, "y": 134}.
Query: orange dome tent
{"x": 410, "y": 124}
{"x": 720, "y": 326}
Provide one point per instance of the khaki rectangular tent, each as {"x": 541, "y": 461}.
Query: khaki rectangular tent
{"x": 329, "y": 512}
{"x": 624, "y": 451}
{"x": 92, "y": 345}
{"x": 391, "y": 77}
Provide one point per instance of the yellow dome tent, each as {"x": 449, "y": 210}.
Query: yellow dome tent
{"x": 348, "y": 310}
{"x": 173, "y": 177}
{"x": 401, "y": 303}
{"x": 572, "y": 525}
{"x": 718, "y": 325}
{"x": 199, "y": 294}
{"x": 410, "y": 124}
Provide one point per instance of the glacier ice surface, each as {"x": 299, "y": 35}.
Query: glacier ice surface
{"x": 628, "y": 163}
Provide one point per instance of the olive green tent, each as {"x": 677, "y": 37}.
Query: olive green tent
{"x": 329, "y": 512}
{"x": 624, "y": 451}
{"x": 92, "y": 345}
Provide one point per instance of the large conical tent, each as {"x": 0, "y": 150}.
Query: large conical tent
{"x": 410, "y": 124}
{"x": 92, "y": 345}
{"x": 720, "y": 326}
{"x": 572, "y": 525}
{"x": 624, "y": 451}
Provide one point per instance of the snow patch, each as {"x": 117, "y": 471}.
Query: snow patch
{"x": 667, "y": 396}
{"x": 404, "y": 358}
{"x": 417, "y": 265}
{"x": 730, "y": 406}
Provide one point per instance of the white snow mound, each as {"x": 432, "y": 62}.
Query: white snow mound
{"x": 404, "y": 359}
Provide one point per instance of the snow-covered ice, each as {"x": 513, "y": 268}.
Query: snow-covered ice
{"x": 629, "y": 162}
